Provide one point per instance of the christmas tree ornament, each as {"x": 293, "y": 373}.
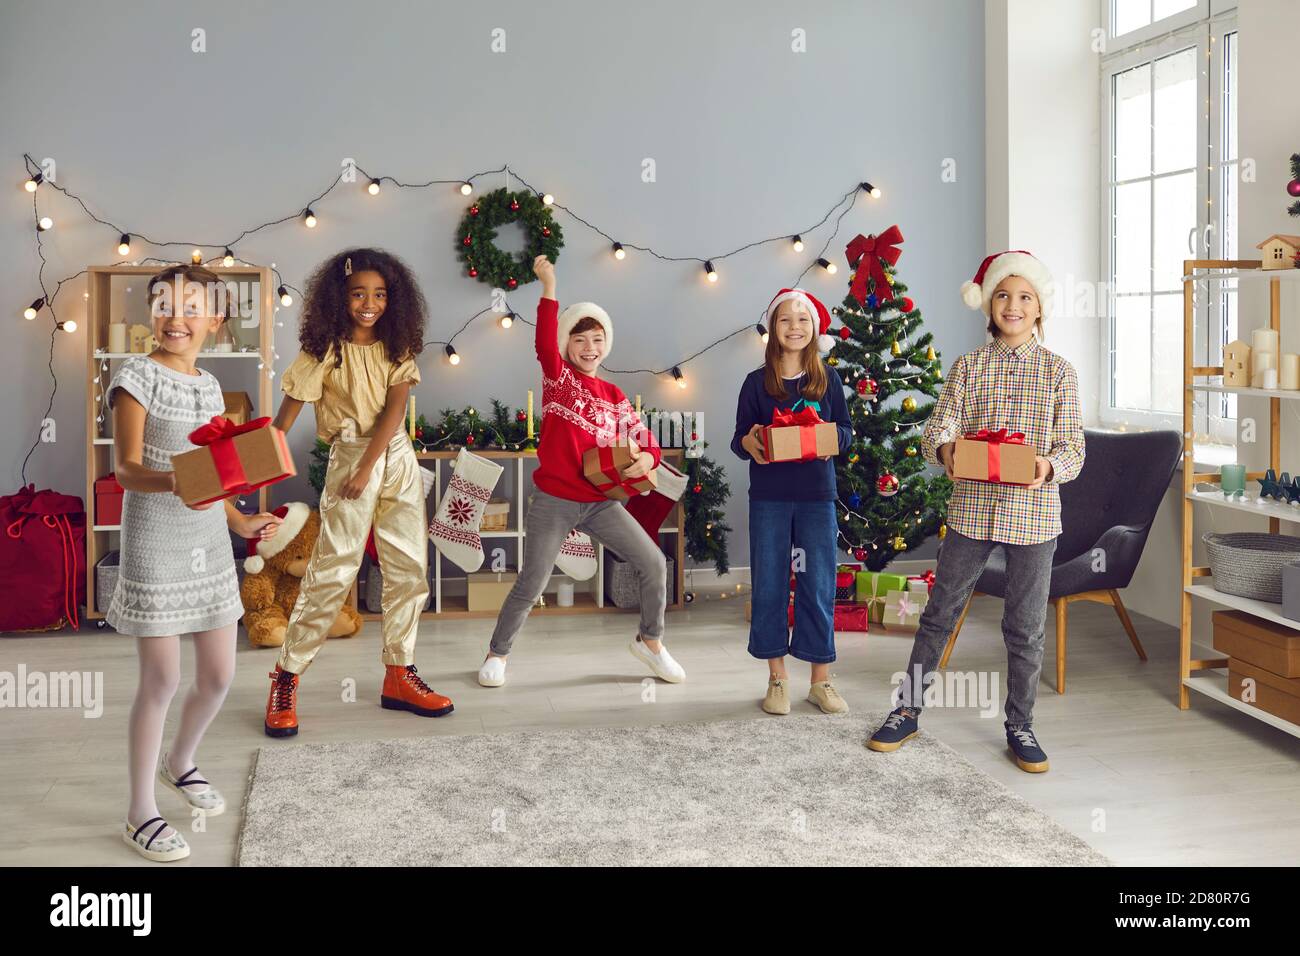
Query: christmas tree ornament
{"x": 832, "y": 360}
{"x": 454, "y": 529}
{"x": 577, "y": 557}
{"x": 895, "y": 348}
{"x": 909, "y": 404}
{"x": 855, "y": 500}
{"x": 867, "y": 257}
{"x": 907, "y": 305}
{"x": 860, "y": 554}
{"x": 910, "y": 451}
{"x": 899, "y": 543}
{"x": 943, "y": 531}
{"x": 473, "y": 210}
{"x": 930, "y": 354}
{"x": 871, "y": 301}
{"x": 845, "y": 332}
{"x": 887, "y": 485}
{"x": 514, "y": 205}
{"x": 1293, "y": 187}
{"x": 854, "y": 457}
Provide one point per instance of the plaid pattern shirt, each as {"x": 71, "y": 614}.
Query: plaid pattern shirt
{"x": 1026, "y": 389}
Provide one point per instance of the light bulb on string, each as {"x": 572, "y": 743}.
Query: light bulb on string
{"x": 309, "y": 218}
{"x": 872, "y": 191}
{"x": 466, "y": 188}
{"x": 797, "y": 243}
{"x": 29, "y": 313}
{"x": 452, "y": 355}
{"x": 286, "y": 299}
{"x": 829, "y": 266}
{"x": 547, "y": 199}
{"x": 373, "y": 188}
{"x": 710, "y": 272}
{"x": 507, "y": 320}
{"x": 228, "y": 259}
{"x": 681, "y": 379}
{"x": 196, "y": 257}
{"x": 618, "y": 251}
{"x": 124, "y": 245}
{"x": 762, "y": 332}
{"x": 45, "y": 223}
{"x": 68, "y": 325}
{"x": 33, "y": 182}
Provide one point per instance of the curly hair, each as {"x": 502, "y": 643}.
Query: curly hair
{"x": 326, "y": 320}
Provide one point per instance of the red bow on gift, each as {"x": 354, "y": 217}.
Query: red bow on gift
{"x": 999, "y": 437}
{"x": 805, "y": 416}
{"x": 928, "y": 577}
{"x": 868, "y": 251}
{"x": 216, "y": 434}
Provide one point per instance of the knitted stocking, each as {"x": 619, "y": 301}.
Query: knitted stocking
{"x": 577, "y": 556}
{"x": 454, "y": 529}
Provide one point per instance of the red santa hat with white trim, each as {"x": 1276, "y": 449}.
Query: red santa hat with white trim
{"x": 977, "y": 293}
{"x": 293, "y": 517}
{"x": 815, "y": 308}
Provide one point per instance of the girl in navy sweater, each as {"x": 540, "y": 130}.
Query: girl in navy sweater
{"x": 792, "y": 524}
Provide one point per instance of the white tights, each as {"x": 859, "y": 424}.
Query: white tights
{"x": 160, "y": 675}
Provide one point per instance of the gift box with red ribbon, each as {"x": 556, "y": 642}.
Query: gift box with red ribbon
{"x": 231, "y": 460}
{"x": 799, "y": 436}
{"x": 603, "y": 467}
{"x": 845, "y": 586}
{"x": 998, "y": 456}
{"x": 922, "y": 583}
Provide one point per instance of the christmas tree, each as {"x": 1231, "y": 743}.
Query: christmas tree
{"x": 889, "y": 499}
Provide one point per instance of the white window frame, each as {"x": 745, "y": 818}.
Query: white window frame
{"x": 1189, "y": 28}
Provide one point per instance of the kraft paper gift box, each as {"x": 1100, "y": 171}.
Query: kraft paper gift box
{"x": 903, "y": 609}
{"x": 799, "y": 436}
{"x": 1279, "y": 696}
{"x": 1253, "y": 640}
{"x": 487, "y": 590}
{"x": 231, "y": 460}
{"x": 603, "y": 467}
{"x": 996, "y": 456}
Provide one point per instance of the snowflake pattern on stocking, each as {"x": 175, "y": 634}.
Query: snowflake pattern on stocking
{"x": 460, "y": 511}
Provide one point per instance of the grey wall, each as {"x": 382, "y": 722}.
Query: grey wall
{"x": 750, "y": 140}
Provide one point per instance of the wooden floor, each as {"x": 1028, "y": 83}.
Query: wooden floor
{"x": 1141, "y": 781}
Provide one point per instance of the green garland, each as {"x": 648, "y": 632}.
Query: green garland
{"x": 504, "y": 430}
{"x": 474, "y": 238}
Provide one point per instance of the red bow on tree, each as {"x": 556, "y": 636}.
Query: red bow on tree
{"x": 868, "y": 251}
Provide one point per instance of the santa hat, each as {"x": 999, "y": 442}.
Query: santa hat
{"x": 978, "y": 292}
{"x": 814, "y": 307}
{"x": 583, "y": 310}
{"x": 293, "y": 517}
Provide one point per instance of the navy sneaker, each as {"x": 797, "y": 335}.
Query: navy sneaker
{"x": 899, "y": 727}
{"x": 1029, "y": 755}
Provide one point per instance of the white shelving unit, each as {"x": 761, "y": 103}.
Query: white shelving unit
{"x": 1207, "y": 676}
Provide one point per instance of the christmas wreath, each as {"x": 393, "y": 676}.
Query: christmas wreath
{"x": 483, "y": 260}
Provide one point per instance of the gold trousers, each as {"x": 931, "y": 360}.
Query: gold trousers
{"x": 393, "y": 503}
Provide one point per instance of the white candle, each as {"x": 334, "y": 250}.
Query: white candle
{"x": 1261, "y": 362}
{"x": 1269, "y": 376}
{"x": 1289, "y": 374}
{"x": 1264, "y": 340}
{"x": 117, "y": 336}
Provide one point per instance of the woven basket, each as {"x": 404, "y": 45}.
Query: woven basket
{"x": 623, "y": 587}
{"x": 1249, "y": 563}
{"x": 373, "y": 592}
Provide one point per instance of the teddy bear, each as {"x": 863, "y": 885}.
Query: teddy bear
{"x": 275, "y": 568}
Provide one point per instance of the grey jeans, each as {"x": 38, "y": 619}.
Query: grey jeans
{"x": 546, "y": 525}
{"x": 961, "y": 562}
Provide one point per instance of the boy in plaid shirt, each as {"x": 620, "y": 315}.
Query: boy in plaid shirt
{"x": 1016, "y": 384}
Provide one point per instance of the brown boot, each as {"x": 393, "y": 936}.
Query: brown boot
{"x": 405, "y": 690}
{"x": 282, "y": 704}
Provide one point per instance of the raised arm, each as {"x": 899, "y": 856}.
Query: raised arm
{"x": 548, "y": 324}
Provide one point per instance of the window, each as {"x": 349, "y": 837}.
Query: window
{"x": 1169, "y": 154}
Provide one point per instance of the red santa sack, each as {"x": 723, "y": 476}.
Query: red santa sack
{"x": 42, "y": 560}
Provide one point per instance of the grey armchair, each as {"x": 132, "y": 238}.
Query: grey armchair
{"x": 1107, "y": 510}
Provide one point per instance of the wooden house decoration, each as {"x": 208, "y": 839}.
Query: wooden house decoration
{"x": 1236, "y": 364}
{"x": 1280, "y": 252}
{"x": 140, "y": 338}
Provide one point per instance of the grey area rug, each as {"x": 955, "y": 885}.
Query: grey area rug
{"x": 792, "y": 791}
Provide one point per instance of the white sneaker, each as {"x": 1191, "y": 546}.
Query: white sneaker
{"x": 663, "y": 665}
{"x": 493, "y": 672}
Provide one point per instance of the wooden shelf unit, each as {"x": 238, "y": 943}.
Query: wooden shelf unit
{"x": 672, "y": 538}
{"x": 1197, "y": 581}
{"x": 101, "y": 364}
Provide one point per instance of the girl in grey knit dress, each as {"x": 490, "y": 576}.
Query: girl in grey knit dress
{"x": 177, "y": 567}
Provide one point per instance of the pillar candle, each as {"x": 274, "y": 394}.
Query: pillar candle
{"x": 1263, "y": 340}
{"x": 412, "y": 417}
{"x": 1269, "y": 376}
{"x": 117, "y": 336}
{"x": 530, "y": 413}
{"x": 1261, "y": 362}
{"x": 1289, "y": 373}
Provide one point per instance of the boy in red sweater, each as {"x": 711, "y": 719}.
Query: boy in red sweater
{"x": 580, "y": 411}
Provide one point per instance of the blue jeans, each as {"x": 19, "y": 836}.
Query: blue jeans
{"x": 775, "y": 527}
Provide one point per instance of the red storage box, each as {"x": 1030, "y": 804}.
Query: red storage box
{"x": 108, "y": 500}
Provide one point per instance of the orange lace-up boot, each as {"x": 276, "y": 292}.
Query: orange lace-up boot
{"x": 405, "y": 690}
{"x": 282, "y": 704}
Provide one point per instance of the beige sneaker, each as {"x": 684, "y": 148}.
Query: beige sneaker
{"x": 777, "y": 700}
{"x": 827, "y": 698}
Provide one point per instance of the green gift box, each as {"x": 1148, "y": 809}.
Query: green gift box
{"x": 870, "y": 587}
